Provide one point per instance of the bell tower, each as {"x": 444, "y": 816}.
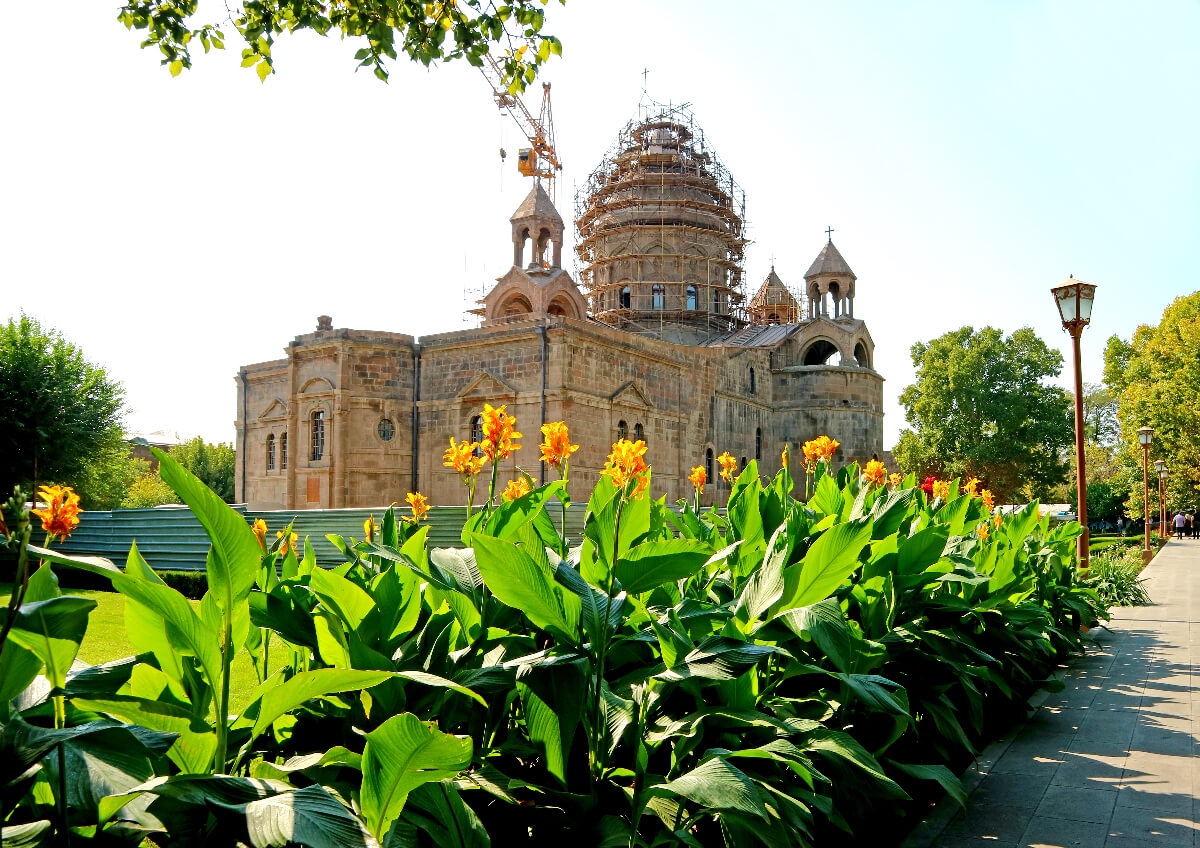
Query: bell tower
{"x": 537, "y": 222}
{"x": 830, "y": 284}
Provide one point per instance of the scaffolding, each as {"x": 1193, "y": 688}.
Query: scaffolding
{"x": 661, "y": 230}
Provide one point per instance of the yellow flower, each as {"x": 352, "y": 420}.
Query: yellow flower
{"x": 556, "y": 446}
{"x": 983, "y": 531}
{"x": 462, "y": 458}
{"x": 989, "y": 502}
{"x": 895, "y": 479}
{"x": 288, "y": 544}
{"x": 61, "y": 513}
{"x": 369, "y": 528}
{"x": 875, "y": 473}
{"x": 941, "y": 489}
{"x": 822, "y": 447}
{"x": 971, "y": 486}
{"x": 419, "y": 504}
{"x": 260, "y": 532}
{"x": 997, "y": 519}
{"x": 498, "y": 433}
{"x": 516, "y": 488}
{"x": 785, "y": 458}
{"x": 625, "y": 463}
{"x": 698, "y": 478}
{"x": 728, "y": 466}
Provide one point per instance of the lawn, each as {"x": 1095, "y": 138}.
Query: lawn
{"x": 106, "y": 640}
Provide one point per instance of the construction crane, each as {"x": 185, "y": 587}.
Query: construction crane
{"x": 540, "y": 160}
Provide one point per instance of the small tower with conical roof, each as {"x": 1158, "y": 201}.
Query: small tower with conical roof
{"x": 773, "y": 303}
{"x": 830, "y": 284}
{"x": 538, "y": 222}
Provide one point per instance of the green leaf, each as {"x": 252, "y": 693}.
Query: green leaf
{"x": 449, "y": 822}
{"x": 542, "y": 725}
{"x": 263, "y": 69}
{"x": 765, "y": 586}
{"x": 439, "y": 682}
{"x": 197, "y": 742}
{"x": 946, "y": 778}
{"x": 837, "y": 746}
{"x": 30, "y": 835}
{"x": 18, "y": 667}
{"x": 52, "y": 629}
{"x": 718, "y": 658}
{"x": 651, "y": 564}
{"x": 273, "y": 699}
{"x": 519, "y": 581}
{"x": 508, "y": 518}
{"x": 400, "y": 755}
{"x": 922, "y": 549}
{"x": 308, "y": 816}
{"x": 824, "y": 623}
{"x": 830, "y": 560}
{"x": 717, "y": 784}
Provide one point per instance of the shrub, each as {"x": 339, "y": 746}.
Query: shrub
{"x": 1114, "y": 575}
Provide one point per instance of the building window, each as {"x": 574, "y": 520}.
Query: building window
{"x": 692, "y": 302}
{"x": 477, "y": 433}
{"x": 758, "y": 444}
{"x": 386, "y": 430}
{"x": 658, "y": 297}
{"x": 283, "y": 451}
{"x": 622, "y": 430}
{"x": 626, "y": 297}
{"x": 716, "y": 305}
{"x": 752, "y": 384}
{"x": 708, "y": 465}
{"x": 271, "y": 452}
{"x": 318, "y": 435}
{"x": 639, "y": 435}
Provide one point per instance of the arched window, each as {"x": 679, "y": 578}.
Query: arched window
{"x": 708, "y": 465}
{"x": 658, "y": 296}
{"x": 639, "y": 434}
{"x": 861, "y": 356}
{"x": 758, "y": 444}
{"x": 318, "y": 434}
{"x": 626, "y": 297}
{"x": 692, "y": 302}
{"x": 752, "y": 384}
{"x": 283, "y": 451}
{"x": 622, "y": 430}
{"x": 477, "y": 433}
{"x": 716, "y": 306}
{"x": 270, "y": 451}
{"x": 820, "y": 352}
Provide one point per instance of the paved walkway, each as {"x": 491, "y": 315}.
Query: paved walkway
{"x": 1109, "y": 762}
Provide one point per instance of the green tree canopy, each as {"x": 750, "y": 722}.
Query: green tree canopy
{"x": 1157, "y": 379}
{"x": 980, "y": 408}
{"x": 425, "y": 32}
{"x": 213, "y": 464}
{"x": 60, "y": 411}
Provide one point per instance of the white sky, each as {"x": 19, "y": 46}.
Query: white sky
{"x": 969, "y": 156}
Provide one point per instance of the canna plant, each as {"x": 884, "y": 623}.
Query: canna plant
{"x": 768, "y": 674}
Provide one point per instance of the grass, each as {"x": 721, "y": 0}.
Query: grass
{"x": 106, "y": 640}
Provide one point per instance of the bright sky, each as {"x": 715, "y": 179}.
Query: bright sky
{"x": 969, "y": 156}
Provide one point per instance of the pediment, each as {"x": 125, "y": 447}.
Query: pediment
{"x": 631, "y": 394}
{"x": 485, "y": 387}
{"x": 276, "y": 409}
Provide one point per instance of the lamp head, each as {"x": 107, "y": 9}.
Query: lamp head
{"x": 1145, "y": 436}
{"x": 1160, "y": 466}
{"x": 1074, "y": 301}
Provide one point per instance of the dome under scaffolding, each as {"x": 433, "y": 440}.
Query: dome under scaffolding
{"x": 661, "y": 232}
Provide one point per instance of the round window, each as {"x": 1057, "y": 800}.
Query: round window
{"x": 386, "y": 430}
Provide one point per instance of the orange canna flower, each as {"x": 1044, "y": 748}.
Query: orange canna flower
{"x": 289, "y": 544}
{"x": 895, "y": 479}
{"x": 698, "y": 478}
{"x": 556, "y": 446}
{"x": 971, "y": 486}
{"x": 61, "y": 513}
{"x": 498, "y": 433}
{"x": 989, "y": 502}
{"x": 941, "y": 489}
{"x": 997, "y": 519}
{"x": 728, "y": 466}
{"x": 785, "y": 458}
{"x": 369, "y": 528}
{"x": 260, "y": 532}
{"x": 627, "y": 462}
{"x": 516, "y": 488}
{"x": 983, "y": 531}
{"x": 462, "y": 458}
{"x": 419, "y": 504}
{"x": 875, "y": 473}
{"x": 822, "y": 447}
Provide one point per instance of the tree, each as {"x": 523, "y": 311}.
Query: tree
{"x": 425, "y": 32}
{"x": 107, "y": 477}
{"x": 1156, "y": 376}
{"x": 980, "y": 408}
{"x": 148, "y": 490}
{"x": 60, "y": 410}
{"x": 213, "y": 464}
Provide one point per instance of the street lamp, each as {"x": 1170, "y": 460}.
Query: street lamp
{"x": 1164, "y": 519}
{"x": 1145, "y": 436}
{"x": 1074, "y": 301}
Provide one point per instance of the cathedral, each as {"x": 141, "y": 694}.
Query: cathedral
{"x": 656, "y": 341}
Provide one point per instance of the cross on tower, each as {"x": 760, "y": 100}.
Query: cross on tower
{"x": 829, "y": 234}
{"x": 772, "y": 261}
{"x": 645, "y": 74}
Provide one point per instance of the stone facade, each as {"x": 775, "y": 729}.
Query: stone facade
{"x": 356, "y": 418}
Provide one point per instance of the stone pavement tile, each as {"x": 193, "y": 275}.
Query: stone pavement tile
{"x": 1046, "y": 832}
{"x": 990, "y": 821}
{"x": 1163, "y": 828}
{"x": 1022, "y": 791}
{"x": 1108, "y": 726}
{"x": 1078, "y": 804}
{"x": 1053, "y": 721}
{"x": 1169, "y": 767}
{"x": 1151, "y": 794}
{"x": 1163, "y": 740}
{"x": 1131, "y": 842}
{"x": 975, "y": 842}
{"x": 1091, "y": 771}
{"x": 1028, "y": 762}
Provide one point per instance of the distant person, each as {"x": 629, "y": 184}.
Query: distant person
{"x": 1180, "y": 524}
{"x": 1121, "y": 525}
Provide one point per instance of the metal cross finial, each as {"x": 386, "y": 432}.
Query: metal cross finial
{"x": 645, "y": 75}
{"x": 772, "y": 261}
{"x": 829, "y": 234}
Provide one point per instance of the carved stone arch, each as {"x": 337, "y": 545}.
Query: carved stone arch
{"x": 513, "y": 304}
{"x": 561, "y": 305}
{"x": 315, "y": 385}
{"x": 863, "y": 354}
{"x": 819, "y": 351}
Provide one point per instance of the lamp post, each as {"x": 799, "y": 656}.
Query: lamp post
{"x": 1164, "y": 518}
{"x": 1074, "y": 301}
{"x": 1146, "y": 436}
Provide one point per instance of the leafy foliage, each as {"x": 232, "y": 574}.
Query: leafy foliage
{"x": 1115, "y": 575}
{"x": 769, "y": 676}
{"x": 214, "y": 465}
{"x": 981, "y": 408}
{"x": 148, "y": 490}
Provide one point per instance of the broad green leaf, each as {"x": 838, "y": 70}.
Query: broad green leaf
{"x": 718, "y": 658}
{"x": 508, "y": 518}
{"x": 520, "y": 582}
{"x": 824, "y": 623}
{"x": 273, "y": 699}
{"x": 890, "y": 512}
{"x": 765, "y": 586}
{"x": 42, "y": 586}
{"x": 827, "y": 498}
{"x": 652, "y": 564}
{"x": 922, "y": 549}
{"x": 439, "y": 683}
{"x": 308, "y": 816}
{"x": 18, "y": 667}
{"x": 400, "y": 755}
{"x": 544, "y": 729}
{"x": 842, "y": 747}
{"x": 717, "y": 784}
{"x": 37, "y": 834}
{"x": 449, "y": 821}
{"x": 830, "y": 560}
{"x": 946, "y": 778}
{"x": 351, "y": 603}
{"x": 52, "y": 629}
{"x": 197, "y": 742}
